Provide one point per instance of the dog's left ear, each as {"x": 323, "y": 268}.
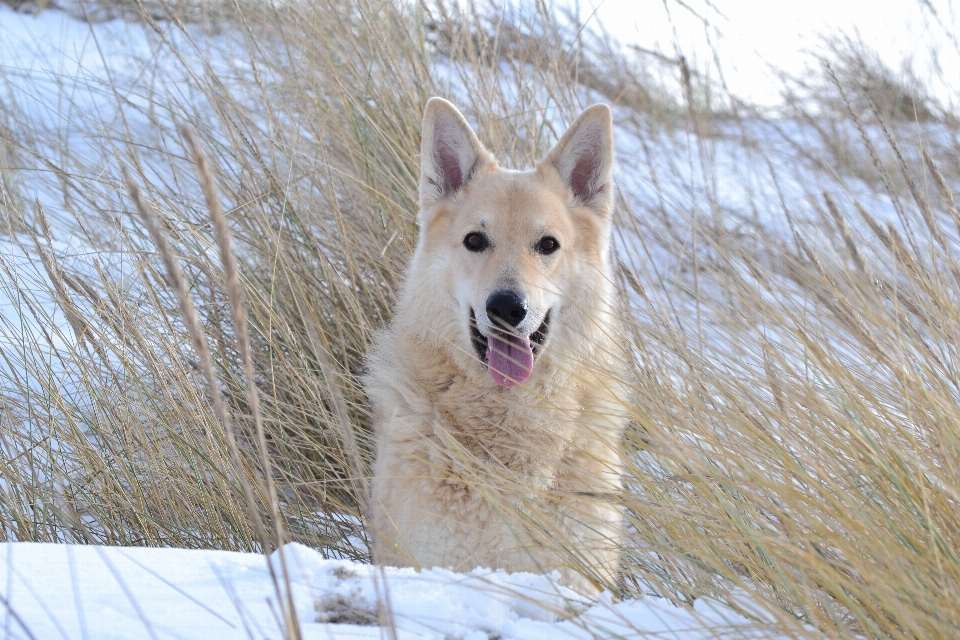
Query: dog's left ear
{"x": 584, "y": 159}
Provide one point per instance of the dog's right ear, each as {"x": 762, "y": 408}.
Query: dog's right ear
{"x": 450, "y": 153}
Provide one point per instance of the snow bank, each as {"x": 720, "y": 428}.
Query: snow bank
{"x": 74, "y": 591}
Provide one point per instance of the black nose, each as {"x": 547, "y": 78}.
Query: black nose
{"x": 506, "y": 307}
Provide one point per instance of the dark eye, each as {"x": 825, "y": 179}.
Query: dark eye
{"x": 547, "y": 245}
{"x": 476, "y": 242}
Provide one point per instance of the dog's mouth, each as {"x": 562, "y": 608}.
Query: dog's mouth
{"x": 509, "y": 357}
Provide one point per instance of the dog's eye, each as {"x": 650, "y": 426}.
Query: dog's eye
{"x": 547, "y": 245}
{"x": 476, "y": 242}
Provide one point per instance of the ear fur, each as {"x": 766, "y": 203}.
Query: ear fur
{"x": 583, "y": 158}
{"x": 450, "y": 153}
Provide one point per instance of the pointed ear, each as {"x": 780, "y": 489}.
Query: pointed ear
{"x": 450, "y": 153}
{"x": 583, "y": 158}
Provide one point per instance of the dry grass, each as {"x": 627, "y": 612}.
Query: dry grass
{"x": 794, "y": 394}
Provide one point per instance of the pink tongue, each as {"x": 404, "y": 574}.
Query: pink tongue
{"x": 509, "y": 359}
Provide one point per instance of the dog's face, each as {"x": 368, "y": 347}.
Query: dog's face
{"x": 509, "y": 250}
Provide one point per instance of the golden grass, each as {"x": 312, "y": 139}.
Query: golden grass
{"x": 794, "y": 395}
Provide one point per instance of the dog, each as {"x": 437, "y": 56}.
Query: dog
{"x": 495, "y": 389}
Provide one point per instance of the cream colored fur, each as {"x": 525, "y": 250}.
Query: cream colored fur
{"x": 468, "y": 472}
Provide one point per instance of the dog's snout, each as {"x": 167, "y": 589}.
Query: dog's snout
{"x": 506, "y": 307}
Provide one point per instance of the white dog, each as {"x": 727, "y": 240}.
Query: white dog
{"x": 496, "y": 396}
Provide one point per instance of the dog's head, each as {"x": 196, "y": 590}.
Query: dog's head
{"x": 505, "y": 252}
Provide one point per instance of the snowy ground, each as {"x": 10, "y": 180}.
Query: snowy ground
{"x": 71, "y": 591}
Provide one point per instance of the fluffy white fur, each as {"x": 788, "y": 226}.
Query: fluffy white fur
{"x": 469, "y": 472}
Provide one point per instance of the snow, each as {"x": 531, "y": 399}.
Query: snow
{"x": 76, "y": 591}
{"x": 753, "y": 39}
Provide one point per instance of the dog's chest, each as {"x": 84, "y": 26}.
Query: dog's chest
{"x": 515, "y": 430}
